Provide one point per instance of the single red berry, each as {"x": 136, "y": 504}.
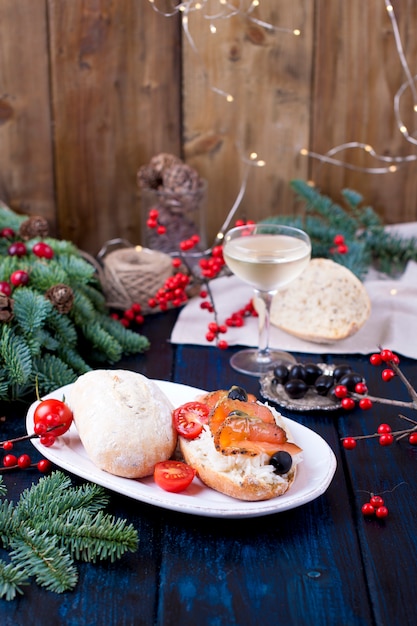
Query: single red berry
{"x": 17, "y": 248}
{"x": 340, "y": 391}
{"x": 386, "y": 439}
{"x": 151, "y": 223}
{"x": 47, "y": 440}
{"x": 365, "y": 404}
{"x": 368, "y": 509}
{"x": 348, "y": 404}
{"x": 383, "y": 429}
{"x": 222, "y": 344}
{"x": 338, "y": 240}
{"x": 7, "y": 233}
{"x": 349, "y": 443}
{"x": 210, "y": 336}
{"x": 24, "y": 461}
{"x": 153, "y": 214}
{"x": 375, "y": 359}
{"x": 381, "y": 512}
{"x": 8, "y": 445}
{"x": 43, "y": 466}
{"x": 40, "y": 428}
{"x": 413, "y": 439}
{"x": 386, "y": 355}
{"x": 5, "y": 288}
{"x": 9, "y": 460}
{"x": 161, "y": 230}
{"x": 176, "y": 262}
{"x": 19, "y": 278}
{"x": 387, "y": 375}
{"x": 361, "y": 388}
{"x": 342, "y": 249}
{"x": 43, "y": 250}
{"x": 376, "y": 501}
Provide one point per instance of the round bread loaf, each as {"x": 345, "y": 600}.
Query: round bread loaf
{"x": 326, "y": 303}
{"x": 124, "y": 421}
{"x": 249, "y": 478}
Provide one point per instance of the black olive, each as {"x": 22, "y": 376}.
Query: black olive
{"x": 237, "y": 393}
{"x": 313, "y": 371}
{"x": 350, "y": 380}
{"x": 281, "y": 374}
{"x": 297, "y": 371}
{"x": 323, "y": 384}
{"x": 296, "y": 388}
{"x": 341, "y": 370}
{"x": 281, "y": 461}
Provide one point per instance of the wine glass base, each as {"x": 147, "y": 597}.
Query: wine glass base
{"x": 251, "y": 362}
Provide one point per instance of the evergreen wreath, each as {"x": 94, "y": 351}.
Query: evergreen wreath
{"x": 52, "y": 525}
{"x": 368, "y": 243}
{"x": 54, "y": 324}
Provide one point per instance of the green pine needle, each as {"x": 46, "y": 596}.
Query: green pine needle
{"x": 12, "y": 578}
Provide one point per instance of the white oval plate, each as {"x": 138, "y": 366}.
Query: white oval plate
{"x": 314, "y": 473}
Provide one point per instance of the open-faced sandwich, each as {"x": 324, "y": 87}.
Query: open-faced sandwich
{"x": 237, "y": 445}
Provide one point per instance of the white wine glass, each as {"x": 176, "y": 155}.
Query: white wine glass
{"x": 267, "y": 257}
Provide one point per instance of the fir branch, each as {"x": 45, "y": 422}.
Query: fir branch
{"x": 92, "y": 538}
{"x": 52, "y": 496}
{"x": 15, "y": 357}
{"x": 51, "y": 372}
{"x": 73, "y": 359}
{"x": 40, "y": 556}
{"x": 54, "y": 524}
{"x": 102, "y": 341}
{"x": 130, "y": 341}
{"x": 12, "y": 578}
{"x": 63, "y": 328}
{"x": 30, "y": 309}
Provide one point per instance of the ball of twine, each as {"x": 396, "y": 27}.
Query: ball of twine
{"x": 133, "y": 275}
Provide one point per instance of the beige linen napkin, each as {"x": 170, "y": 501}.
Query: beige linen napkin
{"x": 392, "y": 322}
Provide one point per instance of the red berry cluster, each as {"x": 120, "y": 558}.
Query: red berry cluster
{"x": 172, "y": 292}
{"x": 340, "y": 245}
{"x": 375, "y": 507}
{"x": 154, "y": 223}
{"x": 11, "y": 461}
{"x": 386, "y": 436}
{"x": 19, "y": 249}
{"x": 129, "y": 316}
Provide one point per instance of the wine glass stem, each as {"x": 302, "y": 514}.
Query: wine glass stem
{"x": 264, "y": 324}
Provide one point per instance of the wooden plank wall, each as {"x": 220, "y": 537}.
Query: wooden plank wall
{"x": 90, "y": 90}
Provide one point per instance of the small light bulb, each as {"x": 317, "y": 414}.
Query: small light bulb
{"x": 392, "y": 168}
{"x": 403, "y": 129}
{"x": 368, "y": 148}
{"x": 304, "y": 151}
{"x": 253, "y": 156}
{"x": 213, "y": 29}
{"x": 229, "y": 98}
{"x": 296, "y": 32}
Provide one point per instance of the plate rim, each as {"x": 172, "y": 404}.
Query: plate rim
{"x": 183, "y": 502}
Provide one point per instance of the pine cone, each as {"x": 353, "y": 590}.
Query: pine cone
{"x": 34, "y": 226}
{"x": 61, "y": 296}
{"x": 181, "y": 178}
{"x": 148, "y": 178}
{"x": 6, "y": 308}
{"x": 163, "y": 161}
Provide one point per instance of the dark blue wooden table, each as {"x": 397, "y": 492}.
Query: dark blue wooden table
{"x": 321, "y": 564}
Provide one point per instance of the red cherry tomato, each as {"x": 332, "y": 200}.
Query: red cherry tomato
{"x": 53, "y": 413}
{"x": 189, "y": 418}
{"x": 174, "y": 476}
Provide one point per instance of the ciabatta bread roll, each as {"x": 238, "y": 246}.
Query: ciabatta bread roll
{"x": 241, "y": 474}
{"x": 124, "y": 421}
{"x": 326, "y": 303}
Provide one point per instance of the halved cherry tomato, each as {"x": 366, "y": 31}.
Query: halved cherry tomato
{"x": 174, "y": 476}
{"x": 189, "y": 418}
{"x": 53, "y": 414}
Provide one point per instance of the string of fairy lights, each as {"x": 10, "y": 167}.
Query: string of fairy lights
{"x": 213, "y": 12}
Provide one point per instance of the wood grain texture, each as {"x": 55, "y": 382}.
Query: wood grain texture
{"x": 357, "y": 75}
{"x": 115, "y": 105}
{"x": 26, "y": 163}
{"x": 90, "y": 90}
{"x": 268, "y": 74}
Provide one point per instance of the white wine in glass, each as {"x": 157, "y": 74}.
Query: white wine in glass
{"x": 267, "y": 257}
